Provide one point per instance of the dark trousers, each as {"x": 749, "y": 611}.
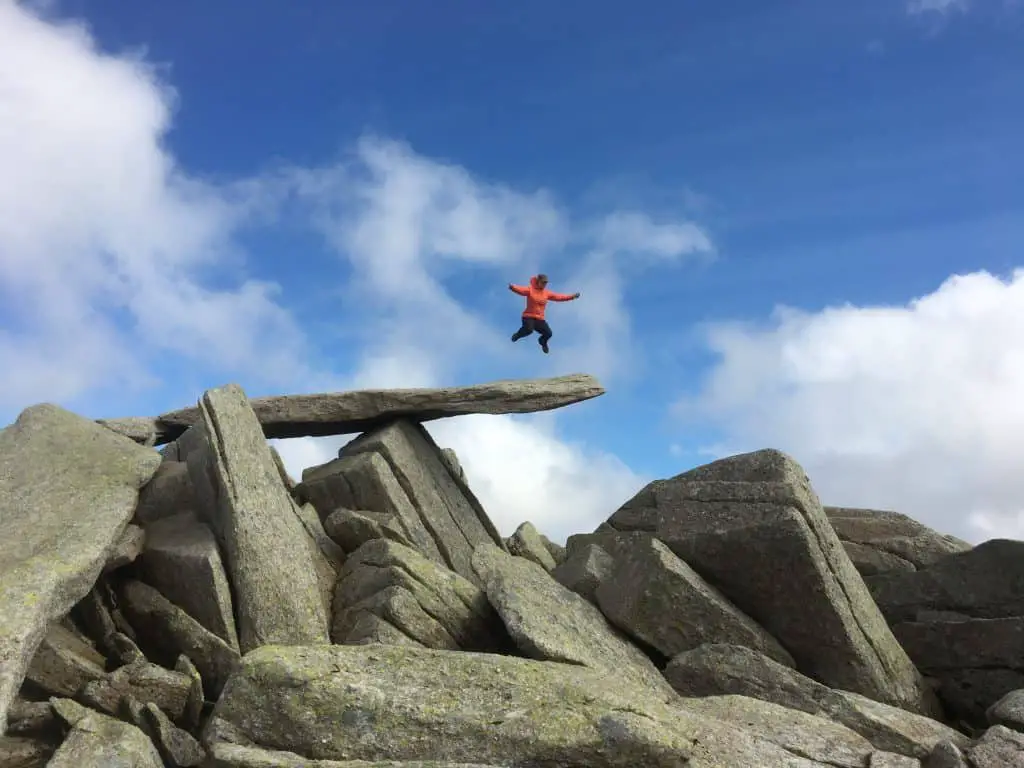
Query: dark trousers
{"x": 531, "y": 324}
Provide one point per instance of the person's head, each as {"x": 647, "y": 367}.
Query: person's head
{"x": 542, "y": 280}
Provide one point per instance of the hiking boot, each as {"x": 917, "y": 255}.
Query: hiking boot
{"x": 544, "y": 346}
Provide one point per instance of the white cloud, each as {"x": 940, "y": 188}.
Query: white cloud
{"x": 916, "y": 408}
{"x": 941, "y": 7}
{"x": 102, "y": 237}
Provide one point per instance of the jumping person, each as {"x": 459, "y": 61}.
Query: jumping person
{"x": 537, "y": 297}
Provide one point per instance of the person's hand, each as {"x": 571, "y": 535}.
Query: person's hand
{"x": 576, "y": 295}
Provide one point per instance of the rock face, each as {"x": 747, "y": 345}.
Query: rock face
{"x": 753, "y": 527}
{"x": 53, "y": 466}
{"x": 339, "y": 413}
{"x": 194, "y": 606}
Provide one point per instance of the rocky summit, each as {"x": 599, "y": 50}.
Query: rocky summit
{"x": 193, "y": 605}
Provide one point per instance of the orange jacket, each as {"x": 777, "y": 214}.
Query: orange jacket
{"x": 537, "y": 298}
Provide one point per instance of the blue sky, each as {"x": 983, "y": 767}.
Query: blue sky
{"x": 793, "y": 224}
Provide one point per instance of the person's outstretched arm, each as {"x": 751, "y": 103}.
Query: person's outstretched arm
{"x": 563, "y": 296}
{"x": 522, "y": 290}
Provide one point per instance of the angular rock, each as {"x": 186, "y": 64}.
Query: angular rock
{"x": 658, "y": 599}
{"x": 99, "y": 740}
{"x": 527, "y": 542}
{"x": 227, "y": 755}
{"x": 892, "y": 760}
{"x": 182, "y": 560}
{"x": 193, "y": 712}
{"x": 1008, "y": 711}
{"x": 986, "y": 582}
{"x": 584, "y": 569}
{"x": 550, "y": 623}
{"x": 143, "y": 682}
{"x": 557, "y": 551}
{"x": 870, "y": 561}
{"x": 324, "y": 554}
{"x": 798, "y": 732}
{"x": 177, "y": 747}
{"x": 139, "y": 429}
{"x": 999, "y": 747}
{"x": 332, "y": 552}
{"x": 399, "y": 608}
{"x": 31, "y": 718}
{"x": 339, "y": 413}
{"x": 717, "y": 670}
{"x": 752, "y": 526}
{"x": 329, "y": 703}
{"x": 459, "y": 606}
{"x": 125, "y": 650}
{"x": 54, "y": 468}
{"x": 166, "y": 632}
{"x": 93, "y": 613}
{"x": 64, "y": 662}
{"x": 452, "y": 460}
{"x": 127, "y": 549}
{"x": 25, "y": 752}
{"x": 169, "y": 493}
{"x": 286, "y": 479}
{"x": 277, "y": 597}
{"x": 351, "y": 528}
{"x": 367, "y": 628}
{"x": 449, "y": 511}
{"x": 893, "y": 534}
{"x": 945, "y": 755}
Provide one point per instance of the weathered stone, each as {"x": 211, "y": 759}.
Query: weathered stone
{"x": 892, "y": 760}
{"x": 556, "y": 550}
{"x": 584, "y": 569}
{"x": 658, "y": 599}
{"x": 798, "y": 732}
{"x": 977, "y": 661}
{"x": 277, "y": 597}
{"x": 945, "y": 755}
{"x": 526, "y": 542}
{"x": 177, "y": 747}
{"x": 352, "y": 528}
{"x": 30, "y": 718}
{"x": 228, "y": 755}
{"x": 317, "y": 543}
{"x": 716, "y": 670}
{"x": 68, "y": 487}
{"x": 143, "y": 682}
{"x": 394, "y": 703}
{"x": 870, "y": 561}
{"x": 64, "y": 662}
{"x": 452, "y": 460}
{"x": 450, "y": 512}
{"x": 999, "y": 747}
{"x": 458, "y": 605}
{"x": 286, "y": 479}
{"x": 125, "y": 651}
{"x": 400, "y": 609}
{"x": 169, "y": 493}
{"x": 894, "y": 534}
{"x": 1008, "y": 711}
{"x": 182, "y": 560}
{"x": 96, "y": 739}
{"x": 329, "y": 548}
{"x": 166, "y": 632}
{"x": 25, "y": 752}
{"x": 93, "y": 614}
{"x": 367, "y": 628}
{"x": 548, "y": 622}
{"x": 339, "y": 413}
{"x": 193, "y": 712}
{"x": 986, "y": 582}
{"x": 139, "y": 429}
{"x": 127, "y": 549}
{"x": 752, "y": 525}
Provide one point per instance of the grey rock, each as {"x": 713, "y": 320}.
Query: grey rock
{"x": 324, "y": 554}
{"x": 166, "y": 632}
{"x": 452, "y": 459}
{"x": 1008, "y": 711}
{"x": 191, "y": 716}
{"x": 125, "y": 651}
{"x": 798, "y": 732}
{"x": 286, "y": 479}
{"x": 143, "y": 682}
{"x": 64, "y": 662}
{"x": 945, "y": 755}
{"x": 892, "y": 760}
{"x": 277, "y": 596}
{"x": 93, "y": 613}
{"x": 658, "y": 599}
{"x": 584, "y": 569}
{"x": 985, "y": 582}
{"x": 169, "y": 493}
{"x": 752, "y": 525}
{"x": 716, "y": 670}
{"x": 399, "y": 608}
{"x": 556, "y": 550}
{"x": 870, "y": 561}
{"x": 127, "y": 549}
{"x": 351, "y": 528}
{"x": 999, "y": 747}
{"x": 177, "y": 747}
{"x": 548, "y": 622}
{"x": 182, "y": 560}
{"x": 228, "y": 755}
{"x": 98, "y": 740}
{"x": 366, "y": 627}
{"x": 392, "y": 703}
{"x": 25, "y": 752}
{"x": 329, "y": 548}
{"x": 339, "y": 413}
{"x": 449, "y": 510}
{"x": 31, "y": 718}
{"x": 140, "y": 429}
{"x": 526, "y": 542}
{"x": 55, "y": 466}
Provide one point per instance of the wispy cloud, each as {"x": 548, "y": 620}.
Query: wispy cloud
{"x": 941, "y": 7}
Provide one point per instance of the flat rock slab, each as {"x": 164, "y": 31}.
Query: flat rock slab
{"x": 379, "y": 703}
{"x": 96, "y": 739}
{"x": 68, "y": 488}
{"x": 584, "y": 569}
{"x": 550, "y": 623}
{"x": 340, "y": 413}
{"x": 752, "y": 525}
{"x": 278, "y": 597}
{"x": 64, "y": 662}
{"x": 227, "y": 755}
{"x": 999, "y": 747}
{"x": 718, "y": 670}
{"x": 893, "y": 534}
{"x": 655, "y": 597}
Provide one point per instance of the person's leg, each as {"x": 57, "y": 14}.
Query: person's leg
{"x": 545, "y": 333}
{"x": 524, "y": 330}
